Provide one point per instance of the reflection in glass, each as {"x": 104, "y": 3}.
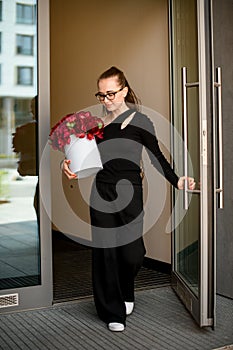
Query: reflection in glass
{"x": 24, "y": 44}
{"x": 19, "y": 215}
{"x": 25, "y": 75}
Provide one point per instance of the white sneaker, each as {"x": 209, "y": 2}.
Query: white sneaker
{"x": 129, "y": 307}
{"x": 116, "y": 327}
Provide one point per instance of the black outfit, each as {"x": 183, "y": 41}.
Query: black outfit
{"x": 117, "y": 212}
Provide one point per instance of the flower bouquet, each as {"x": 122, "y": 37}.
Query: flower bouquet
{"x": 74, "y": 135}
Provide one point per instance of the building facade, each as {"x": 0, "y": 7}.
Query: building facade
{"x": 18, "y": 67}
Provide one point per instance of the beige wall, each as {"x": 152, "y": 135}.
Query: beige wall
{"x": 87, "y": 37}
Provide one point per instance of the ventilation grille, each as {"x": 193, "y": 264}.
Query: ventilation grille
{"x": 9, "y": 300}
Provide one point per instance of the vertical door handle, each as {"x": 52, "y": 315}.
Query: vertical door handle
{"x": 185, "y": 86}
{"x": 185, "y": 133}
{"x": 218, "y": 85}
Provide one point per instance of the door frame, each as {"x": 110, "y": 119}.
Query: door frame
{"x": 40, "y": 295}
{"x": 202, "y": 307}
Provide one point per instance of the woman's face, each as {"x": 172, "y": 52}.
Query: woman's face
{"x": 110, "y": 85}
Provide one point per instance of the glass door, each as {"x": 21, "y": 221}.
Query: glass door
{"x": 25, "y": 278}
{"x": 193, "y": 228}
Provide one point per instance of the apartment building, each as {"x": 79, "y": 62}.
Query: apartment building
{"x": 18, "y": 67}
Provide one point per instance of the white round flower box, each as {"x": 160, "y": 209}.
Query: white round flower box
{"x": 84, "y": 156}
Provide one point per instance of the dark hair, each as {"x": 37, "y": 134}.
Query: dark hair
{"x": 131, "y": 98}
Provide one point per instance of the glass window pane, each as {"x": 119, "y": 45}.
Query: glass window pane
{"x": 186, "y": 234}
{"x": 25, "y": 14}
{"x": 0, "y": 10}
{"x": 24, "y": 44}
{"x": 24, "y": 76}
{"x": 19, "y": 216}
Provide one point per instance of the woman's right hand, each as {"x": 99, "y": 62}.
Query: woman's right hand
{"x": 66, "y": 170}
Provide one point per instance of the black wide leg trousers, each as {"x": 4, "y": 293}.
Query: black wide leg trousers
{"x": 118, "y": 247}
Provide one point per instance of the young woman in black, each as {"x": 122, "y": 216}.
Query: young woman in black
{"x": 116, "y": 203}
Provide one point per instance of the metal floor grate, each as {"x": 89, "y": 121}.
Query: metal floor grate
{"x": 159, "y": 322}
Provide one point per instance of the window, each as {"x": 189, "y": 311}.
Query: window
{"x": 24, "y": 75}
{"x": 24, "y": 44}
{"x": 25, "y": 14}
{"x": 0, "y": 10}
{"x": 0, "y": 42}
{"x": 22, "y": 109}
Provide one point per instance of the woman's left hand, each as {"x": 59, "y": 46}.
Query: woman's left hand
{"x": 191, "y": 183}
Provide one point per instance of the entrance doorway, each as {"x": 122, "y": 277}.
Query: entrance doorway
{"x": 146, "y": 67}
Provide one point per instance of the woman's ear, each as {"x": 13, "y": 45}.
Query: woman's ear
{"x": 125, "y": 91}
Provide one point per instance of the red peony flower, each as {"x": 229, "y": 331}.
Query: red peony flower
{"x": 81, "y": 124}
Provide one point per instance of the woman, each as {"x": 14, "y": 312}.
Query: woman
{"x": 116, "y": 208}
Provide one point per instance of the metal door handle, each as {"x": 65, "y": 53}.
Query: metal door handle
{"x": 185, "y": 86}
{"x": 218, "y": 85}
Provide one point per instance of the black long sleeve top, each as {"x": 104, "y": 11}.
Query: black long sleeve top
{"x": 121, "y": 150}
